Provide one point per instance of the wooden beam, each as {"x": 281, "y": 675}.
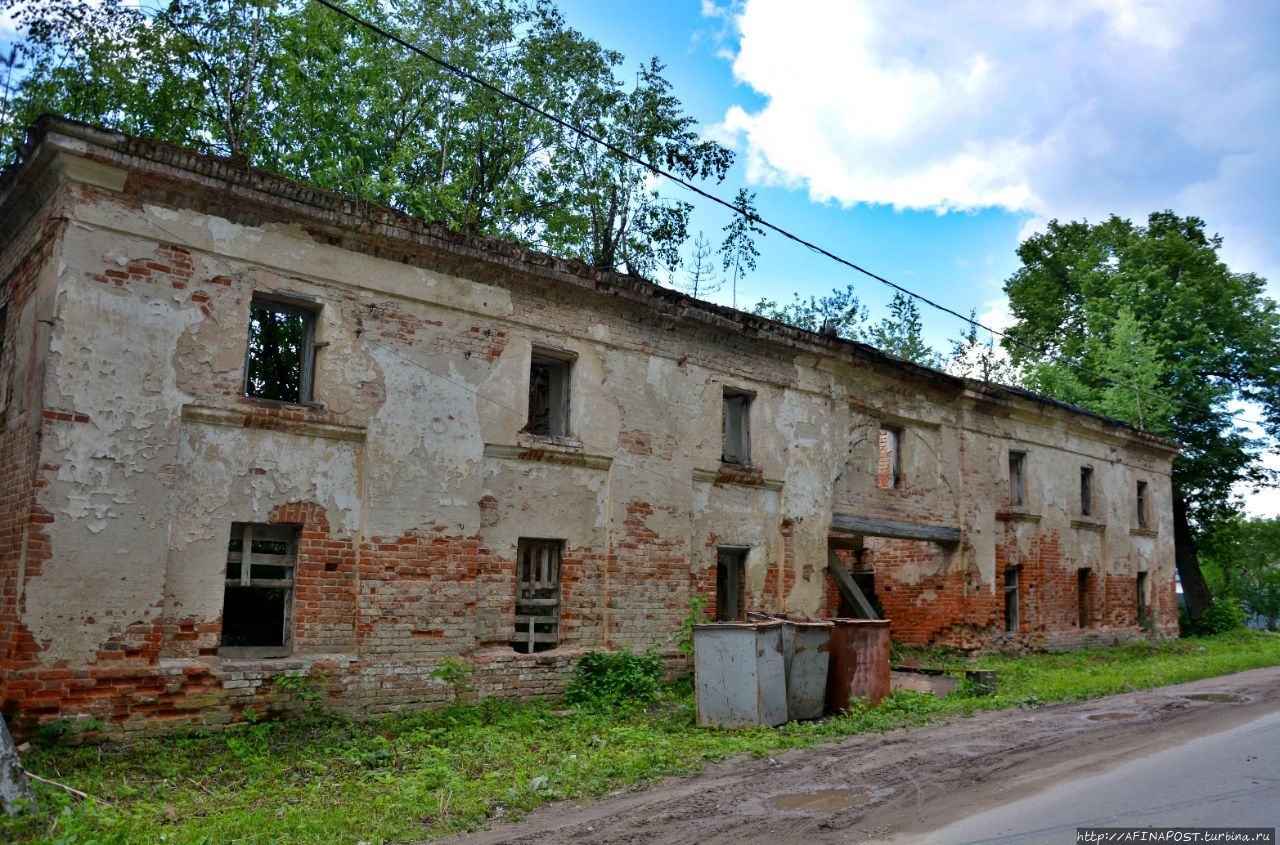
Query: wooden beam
{"x": 848, "y": 587}
{"x": 875, "y": 527}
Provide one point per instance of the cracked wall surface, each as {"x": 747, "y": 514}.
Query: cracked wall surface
{"x": 411, "y": 477}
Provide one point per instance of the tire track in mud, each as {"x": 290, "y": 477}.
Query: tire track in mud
{"x": 872, "y": 786}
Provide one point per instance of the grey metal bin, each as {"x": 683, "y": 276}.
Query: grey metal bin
{"x": 739, "y": 674}
{"x": 806, "y": 645}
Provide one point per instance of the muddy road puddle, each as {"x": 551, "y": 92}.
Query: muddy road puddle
{"x": 819, "y": 800}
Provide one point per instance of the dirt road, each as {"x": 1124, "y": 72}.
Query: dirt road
{"x": 873, "y": 787}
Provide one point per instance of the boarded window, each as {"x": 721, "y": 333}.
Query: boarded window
{"x": 1142, "y": 504}
{"x": 281, "y": 354}
{"x": 737, "y": 428}
{"x": 1011, "y": 620}
{"x": 257, "y": 604}
{"x": 731, "y": 572}
{"x": 537, "y": 625}
{"x": 1083, "y": 583}
{"x": 1017, "y": 469}
{"x": 889, "y": 467}
{"x": 549, "y": 394}
{"x": 1142, "y": 600}
{"x": 1086, "y": 491}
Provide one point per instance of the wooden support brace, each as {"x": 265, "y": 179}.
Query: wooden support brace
{"x": 848, "y": 587}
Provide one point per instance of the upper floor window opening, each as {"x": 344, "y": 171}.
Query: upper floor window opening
{"x": 549, "y": 381}
{"x": 1142, "y": 504}
{"x": 1086, "y": 491}
{"x": 737, "y": 427}
{"x": 889, "y": 466}
{"x": 280, "y": 362}
{"x": 1017, "y": 480}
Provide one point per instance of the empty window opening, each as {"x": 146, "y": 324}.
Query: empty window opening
{"x": 1086, "y": 491}
{"x": 1011, "y": 621}
{"x": 1143, "y": 615}
{"x": 549, "y": 394}
{"x": 1017, "y": 469}
{"x": 281, "y": 356}
{"x": 737, "y": 428}
{"x": 1142, "y": 504}
{"x": 537, "y": 625}
{"x": 257, "y": 603}
{"x": 731, "y": 572}
{"x": 889, "y": 468}
{"x": 1083, "y": 582}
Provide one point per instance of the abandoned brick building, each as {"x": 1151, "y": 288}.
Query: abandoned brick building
{"x": 251, "y": 427}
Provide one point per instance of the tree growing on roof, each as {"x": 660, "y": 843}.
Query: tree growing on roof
{"x": 1155, "y": 308}
{"x": 738, "y": 252}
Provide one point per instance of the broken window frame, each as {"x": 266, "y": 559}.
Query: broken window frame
{"x": 731, "y": 583}
{"x": 1144, "y": 611}
{"x": 559, "y": 388}
{"x": 1141, "y": 503}
{"x": 246, "y": 560}
{"x": 890, "y": 443}
{"x": 735, "y": 447}
{"x": 1012, "y": 600}
{"x": 1017, "y": 478}
{"x": 1086, "y": 491}
{"x": 538, "y": 581}
{"x": 308, "y": 311}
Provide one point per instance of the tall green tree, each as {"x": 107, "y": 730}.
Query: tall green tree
{"x": 902, "y": 334}
{"x": 738, "y": 252}
{"x": 1155, "y": 307}
{"x": 1241, "y": 559}
{"x": 293, "y": 87}
{"x": 841, "y": 313}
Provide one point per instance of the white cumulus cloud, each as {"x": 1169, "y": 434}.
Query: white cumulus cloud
{"x": 1068, "y": 109}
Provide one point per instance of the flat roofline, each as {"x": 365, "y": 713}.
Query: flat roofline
{"x": 361, "y": 216}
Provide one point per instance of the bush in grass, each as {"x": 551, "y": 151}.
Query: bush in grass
{"x": 606, "y": 679}
{"x": 1223, "y": 614}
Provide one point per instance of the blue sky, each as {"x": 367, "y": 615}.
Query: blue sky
{"x": 961, "y": 257}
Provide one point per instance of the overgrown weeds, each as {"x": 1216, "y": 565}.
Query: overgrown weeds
{"x": 419, "y": 775}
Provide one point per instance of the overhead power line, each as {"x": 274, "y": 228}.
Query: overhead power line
{"x": 684, "y": 183}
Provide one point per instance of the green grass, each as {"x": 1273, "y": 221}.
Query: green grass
{"x": 325, "y": 779}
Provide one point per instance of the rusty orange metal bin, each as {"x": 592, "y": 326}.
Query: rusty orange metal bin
{"x": 858, "y": 665}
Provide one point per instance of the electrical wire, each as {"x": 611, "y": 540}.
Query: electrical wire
{"x": 666, "y": 174}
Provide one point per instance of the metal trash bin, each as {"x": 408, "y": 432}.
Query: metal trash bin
{"x": 808, "y": 649}
{"x": 806, "y": 644}
{"x": 859, "y": 662}
{"x": 739, "y": 674}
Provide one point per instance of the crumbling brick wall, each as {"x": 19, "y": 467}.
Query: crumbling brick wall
{"x": 411, "y": 475}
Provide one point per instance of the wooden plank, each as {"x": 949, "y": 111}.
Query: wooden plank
{"x": 876, "y": 527}
{"x": 261, "y": 559}
{"x": 262, "y": 583}
{"x": 526, "y": 618}
{"x": 523, "y": 602}
{"x": 246, "y": 549}
{"x": 848, "y": 587}
{"x": 538, "y": 637}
